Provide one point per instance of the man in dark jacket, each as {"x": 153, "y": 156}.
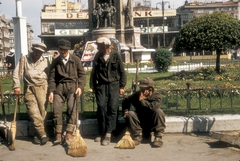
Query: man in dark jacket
{"x": 147, "y": 117}
{"x": 107, "y": 80}
{"x": 10, "y": 60}
{"x": 66, "y": 82}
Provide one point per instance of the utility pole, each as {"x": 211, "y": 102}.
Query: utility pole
{"x": 163, "y": 3}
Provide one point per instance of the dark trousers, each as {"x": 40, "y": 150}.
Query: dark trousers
{"x": 58, "y": 103}
{"x": 107, "y": 98}
{"x": 149, "y": 121}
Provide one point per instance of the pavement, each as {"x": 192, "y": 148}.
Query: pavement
{"x": 176, "y": 147}
{"x": 186, "y": 138}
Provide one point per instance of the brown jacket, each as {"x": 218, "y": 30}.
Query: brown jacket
{"x": 69, "y": 73}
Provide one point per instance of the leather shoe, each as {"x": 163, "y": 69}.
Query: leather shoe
{"x": 44, "y": 140}
{"x": 58, "y": 140}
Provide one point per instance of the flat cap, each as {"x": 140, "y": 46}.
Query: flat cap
{"x": 64, "y": 44}
{"x": 39, "y": 46}
{"x": 103, "y": 40}
{"x": 146, "y": 82}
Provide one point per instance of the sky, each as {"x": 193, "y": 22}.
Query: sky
{"x": 31, "y": 9}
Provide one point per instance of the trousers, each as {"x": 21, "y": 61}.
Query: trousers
{"x": 107, "y": 98}
{"x": 35, "y": 98}
{"x": 58, "y": 103}
{"x": 151, "y": 121}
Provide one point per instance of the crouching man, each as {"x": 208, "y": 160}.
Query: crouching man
{"x": 147, "y": 117}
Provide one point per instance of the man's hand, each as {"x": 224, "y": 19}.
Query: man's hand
{"x": 17, "y": 90}
{"x": 78, "y": 92}
{"x": 142, "y": 96}
{"x": 121, "y": 91}
{"x": 50, "y": 98}
{"x": 125, "y": 114}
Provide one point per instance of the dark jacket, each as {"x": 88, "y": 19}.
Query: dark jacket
{"x": 152, "y": 102}
{"x": 107, "y": 73}
{"x": 59, "y": 73}
{"x": 10, "y": 58}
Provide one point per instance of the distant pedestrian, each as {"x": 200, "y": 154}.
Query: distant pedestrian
{"x": 107, "y": 81}
{"x": 66, "y": 82}
{"x": 35, "y": 69}
{"x": 55, "y": 54}
{"x": 10, "y": 61}
{"x": 147, "y": 116}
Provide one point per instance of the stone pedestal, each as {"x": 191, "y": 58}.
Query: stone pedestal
{"x": 132, "y": 38}
{"x": 103, "y": 32}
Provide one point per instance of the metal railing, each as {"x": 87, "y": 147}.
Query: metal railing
{"x": 174, "y": 101}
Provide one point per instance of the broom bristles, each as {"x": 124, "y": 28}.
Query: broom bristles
{"x": 13, "y": 136}
{"x": 78, "y": 147}
{"x": 126, "y": 142}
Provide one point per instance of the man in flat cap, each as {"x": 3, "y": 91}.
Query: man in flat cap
{"x": 147, "y": 117}
{"x": 107, "y": 81}
{"x": 66, "y": 82}
{"x": 34, "y": 69}
{"x": 10, "y": 61}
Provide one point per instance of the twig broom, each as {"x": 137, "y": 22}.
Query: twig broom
{"x": 78, "y": 147}
{"x": 126, "y": 142}
{"x": 13, "y": 128}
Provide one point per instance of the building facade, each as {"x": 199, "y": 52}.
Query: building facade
{"x": 7, "y": 37}
{"x": 159, "y": 25}
{"x": 63, "y": 20}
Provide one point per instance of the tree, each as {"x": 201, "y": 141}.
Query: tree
{"x": 162, "y": 59}
{"x": 211, "y": 32}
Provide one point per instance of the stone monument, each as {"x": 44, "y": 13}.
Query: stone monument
{"x": 114, "y": 19}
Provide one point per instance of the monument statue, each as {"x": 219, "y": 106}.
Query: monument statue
{"x": 103, "y": 14}
{"x": 97, "y": 15}
{"x": 128, "y": 14}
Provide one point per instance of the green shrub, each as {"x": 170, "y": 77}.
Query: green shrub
{"x": 162, "y": 59}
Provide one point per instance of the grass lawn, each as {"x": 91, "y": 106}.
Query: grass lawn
{"x": 172, "y": 101}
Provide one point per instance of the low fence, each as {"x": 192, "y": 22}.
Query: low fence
{"x": 174, "y": 102}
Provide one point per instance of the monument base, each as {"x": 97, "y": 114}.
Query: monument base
{"x": 103, "y": 32}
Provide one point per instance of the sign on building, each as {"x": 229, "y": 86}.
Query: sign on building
{"x": 156, "y": 29}
{"x": 154, "y": 13}
{"x": 70, "y": 31}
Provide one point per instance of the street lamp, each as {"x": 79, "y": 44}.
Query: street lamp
{"x": 163, "y": 3}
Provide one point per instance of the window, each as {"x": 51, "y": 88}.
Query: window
{"x": 211, "y": 11}
{"x": 200, "y": 10}
{"x": 63, "y": 3}
{"x": 63, "y": 10}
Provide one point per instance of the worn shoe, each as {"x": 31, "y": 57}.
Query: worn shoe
{"x": 97, "y": 139}
{"x": 107, "y": 139}
{"x": 157, "y": 143}
{"x": 137, "y": 139}
{"x": 36, "y": 140}
{"x": 44, "y": 140}
{"x": 58, "y": 139}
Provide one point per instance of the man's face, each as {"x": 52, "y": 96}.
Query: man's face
{"x": 101, "y": 48}
{"x": 36, "y": 54}
{"x": 63, "y": 52}
{"x": 146, "y": 91}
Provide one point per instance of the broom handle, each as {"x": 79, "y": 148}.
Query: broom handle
{"x": 15, "y": 108}
{"x": 76, "y": 100}
{"x": 17, "y": 99}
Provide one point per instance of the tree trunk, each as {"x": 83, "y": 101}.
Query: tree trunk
{"x": 218, "y": 61}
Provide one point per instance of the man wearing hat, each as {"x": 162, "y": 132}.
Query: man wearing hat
{"x": 107, "y": 80}
{"x": 66, "y": 82}
{"x": 147, "y": 117}
{"x": 10, "y": 60}
{"x": 34, "y": 68}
